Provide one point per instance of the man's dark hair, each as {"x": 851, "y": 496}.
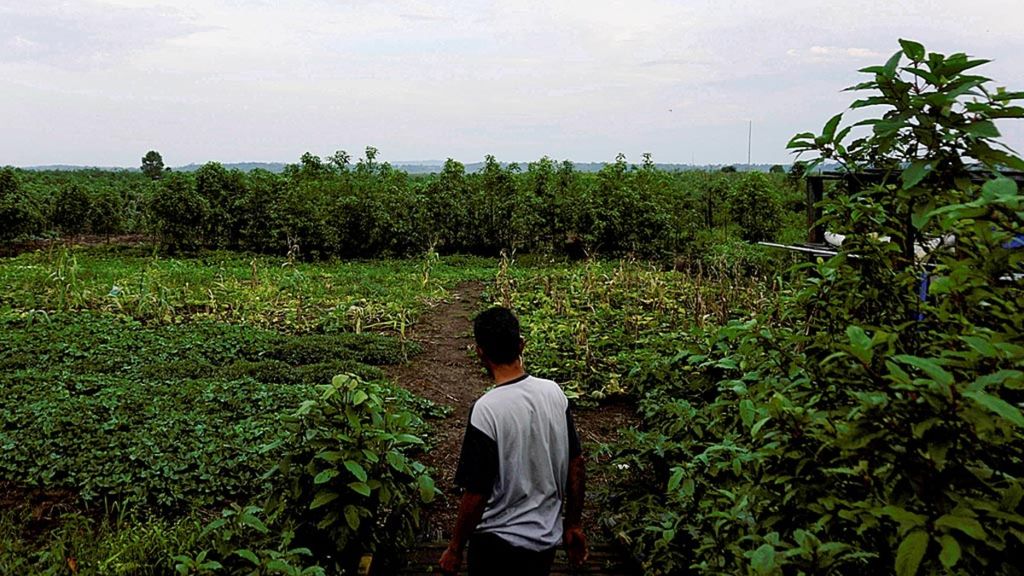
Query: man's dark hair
{"x": 496, "y": 331}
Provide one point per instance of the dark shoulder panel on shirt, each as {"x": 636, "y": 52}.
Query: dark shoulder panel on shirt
{"x": 478, "y": 461}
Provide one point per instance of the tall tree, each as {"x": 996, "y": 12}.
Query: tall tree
{"x": 153, "y": 165}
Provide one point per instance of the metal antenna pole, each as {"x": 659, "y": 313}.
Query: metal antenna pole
{"x": 750, "y": 134}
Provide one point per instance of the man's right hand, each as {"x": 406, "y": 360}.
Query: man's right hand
{"x": 450, "y": 561}
{"x": 576, "y": 545}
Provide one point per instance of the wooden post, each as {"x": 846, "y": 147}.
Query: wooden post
{"x": 815, "y": 193}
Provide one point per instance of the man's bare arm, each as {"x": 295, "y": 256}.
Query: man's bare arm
{"x": 471, "y": 509}
{"x": 574, "y": 538}
{"x": 576, "y": 488}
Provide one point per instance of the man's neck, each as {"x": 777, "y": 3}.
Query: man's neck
{"x": 505, "y": 373}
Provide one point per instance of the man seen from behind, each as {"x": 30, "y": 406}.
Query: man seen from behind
{"x": 521, "y": 456}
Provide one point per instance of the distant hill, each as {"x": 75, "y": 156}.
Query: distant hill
{"x": 72, "y": 168}
{"x": 410, "y": 167}
{"x": 275, "y": 167}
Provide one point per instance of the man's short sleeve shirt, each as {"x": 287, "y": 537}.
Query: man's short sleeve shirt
{"x": 519, "y": 440}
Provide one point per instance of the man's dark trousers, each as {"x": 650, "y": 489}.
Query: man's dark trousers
{"x": 489, "y": 555}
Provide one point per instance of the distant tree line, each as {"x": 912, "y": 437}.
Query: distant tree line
{"x": 332, "y": 207}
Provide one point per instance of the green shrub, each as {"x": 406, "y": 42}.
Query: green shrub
{"x": 348, "y": 481}
{"x": 20, "y": 213}
{"x": 858, "y": 429}
{"x": 755, "y": 207}
{"x": 179, "y": 214}
{"x": 72, "y": 213}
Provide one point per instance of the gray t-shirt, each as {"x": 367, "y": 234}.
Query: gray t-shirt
{"x": 516, "y": 451}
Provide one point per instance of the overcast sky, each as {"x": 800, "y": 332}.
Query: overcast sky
{"x": 100, "y": 82}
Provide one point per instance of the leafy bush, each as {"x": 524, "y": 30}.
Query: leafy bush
{"x": 20, "y": 214}
{"x": 242, "y": 543}
{"x": 348, "y": 481}
{"x": 179, "y": 214}
{"x": 755, "y": 208}
{"x": 72, "y": 213}
{"x": 857, "y": 428}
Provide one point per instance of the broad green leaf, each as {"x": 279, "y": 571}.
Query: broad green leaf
{"x": 872, "y": 70}
{"x": 356, "y": 469}
{"x": 898, "y": 375}
{"x": 929, "y": 367}
{"x": 427, "y": 490}
{"x": 1011, "y": 379}
{"x": 924, "y": 75}
{"x": 352, "y": 517}
{"x": 871, "y": 101}
{"x": 829, "y": 131}
{"x": 906, "y": 519}
{"x": 922, "y": 213}
{"x": 1012, "y": 496}
{"x": 968, "y": 526}
{"x": 763, "y": 559}
{"x": 360, "y": 488}
{"x": 913, "y": 50}
{"x": 254, "y": 522}
{"x": 278, "y": 565}
{"x": 910, "y": 553}
{"x": 981, "y": 346}
{"x": 998, "y": 405}
{"x": 914, "y": 173}
{"x": 325, "y": 476}
{"x": 321, "y": 498}
{"x": 860, "y": 343}
{"x": 408, "y": 439}
{"x": 359, "y": 397}
{"x": 961, "y": 64}
{"x": 747, "y": 412}
{"x": 982, "y": 129}
{"x": 331, "y": 456}
{"x": 397, "y": 461}
{"x": 248, "y": 555}
{"x": 950, "y": 554}
{"x": 760, "y": 424}
{"x": 999, "y": 188}
{"x": 675, "y": 479}
{"x": 889, "y": 70}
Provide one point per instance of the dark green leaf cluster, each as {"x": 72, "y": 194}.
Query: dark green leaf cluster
{"x": 348, "y": 482}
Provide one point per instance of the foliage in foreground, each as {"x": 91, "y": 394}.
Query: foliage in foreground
{"x": 864, "y": 431}
{"x": 169, "y": 423}
{"x": 589, "y": 327}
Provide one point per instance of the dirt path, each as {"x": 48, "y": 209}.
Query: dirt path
{"x": 447, "y": 372}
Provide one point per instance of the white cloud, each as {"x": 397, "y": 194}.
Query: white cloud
{"x": 830, "y": 54}
{"x": 264, "y": 80}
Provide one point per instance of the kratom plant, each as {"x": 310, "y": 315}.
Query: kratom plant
{"x": 348, "y": 481}
{"x": 858, "y": 429}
